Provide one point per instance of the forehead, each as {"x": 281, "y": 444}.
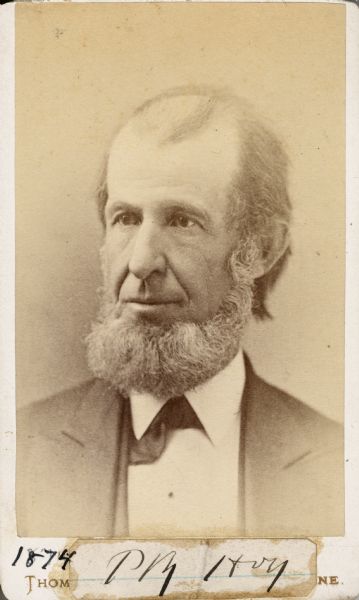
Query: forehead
{"x": 202, "y": 164}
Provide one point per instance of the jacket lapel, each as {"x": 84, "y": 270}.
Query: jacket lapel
{"x": 271, "y": 445}
{"x": 96, "y": 438}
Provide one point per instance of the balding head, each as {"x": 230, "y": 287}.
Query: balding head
{"x": 258, "y": 205}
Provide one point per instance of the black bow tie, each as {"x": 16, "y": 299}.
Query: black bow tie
{"x": 176, "y": 413}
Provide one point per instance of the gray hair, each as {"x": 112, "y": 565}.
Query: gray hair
{"x": 260, "y": 208}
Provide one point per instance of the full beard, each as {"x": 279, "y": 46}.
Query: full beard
{"x": 168, "y": 360}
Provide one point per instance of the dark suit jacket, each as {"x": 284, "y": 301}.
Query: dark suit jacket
{"x": 72, "y": 457}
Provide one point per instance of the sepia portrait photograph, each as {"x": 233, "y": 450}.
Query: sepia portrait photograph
{"x": 180, "y": 270}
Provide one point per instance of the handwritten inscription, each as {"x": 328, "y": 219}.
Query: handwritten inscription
{"x": 30, "y": 556}
{"x": 149, "y": 568}
{"x": 136, "y": 560}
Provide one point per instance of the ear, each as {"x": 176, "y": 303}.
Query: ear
{"x": 271, "y": 250}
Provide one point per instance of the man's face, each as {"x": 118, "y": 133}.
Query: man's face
{"x": 167, "y": 239}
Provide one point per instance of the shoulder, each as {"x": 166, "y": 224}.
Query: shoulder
{"x": 58, "y": 408}
{"x": 287, "y": 417}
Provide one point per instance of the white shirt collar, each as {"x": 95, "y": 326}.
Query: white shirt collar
{"x": 216, "y": 402}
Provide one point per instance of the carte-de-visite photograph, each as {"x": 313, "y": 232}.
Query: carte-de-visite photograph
{"x": 180, "y": 264}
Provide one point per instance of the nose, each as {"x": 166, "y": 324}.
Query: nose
{"x": 147, "y": 256}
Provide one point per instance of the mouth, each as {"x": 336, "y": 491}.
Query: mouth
{"x": 148, "y": 305}
{"x": 152, "y": 308}
{"x": 151, "y": 301}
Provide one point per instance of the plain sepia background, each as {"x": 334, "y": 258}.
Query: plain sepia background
{"x": 80, "y": 70}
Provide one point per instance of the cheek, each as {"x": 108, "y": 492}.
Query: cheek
{"x": 219, "y": 282}
{"x": 205, "y": 277}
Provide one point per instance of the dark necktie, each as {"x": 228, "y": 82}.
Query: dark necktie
{"x": 176, "y": 413}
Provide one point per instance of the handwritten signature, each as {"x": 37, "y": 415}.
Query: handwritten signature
{"x": 135, "y": 559}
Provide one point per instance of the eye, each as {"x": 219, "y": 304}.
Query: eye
{"x": 182, "y": 221}
{"x": 127, "y": 219}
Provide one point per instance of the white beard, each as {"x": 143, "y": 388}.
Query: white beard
{"x": 168, "y": 360}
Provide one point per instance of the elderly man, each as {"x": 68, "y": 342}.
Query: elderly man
{"x": 176, "y": 435}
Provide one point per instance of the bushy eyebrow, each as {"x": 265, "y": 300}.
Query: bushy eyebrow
{"x": 113, "y": 207}
{"x": 190, "y": 210}
{"x": 168, "y": 209}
